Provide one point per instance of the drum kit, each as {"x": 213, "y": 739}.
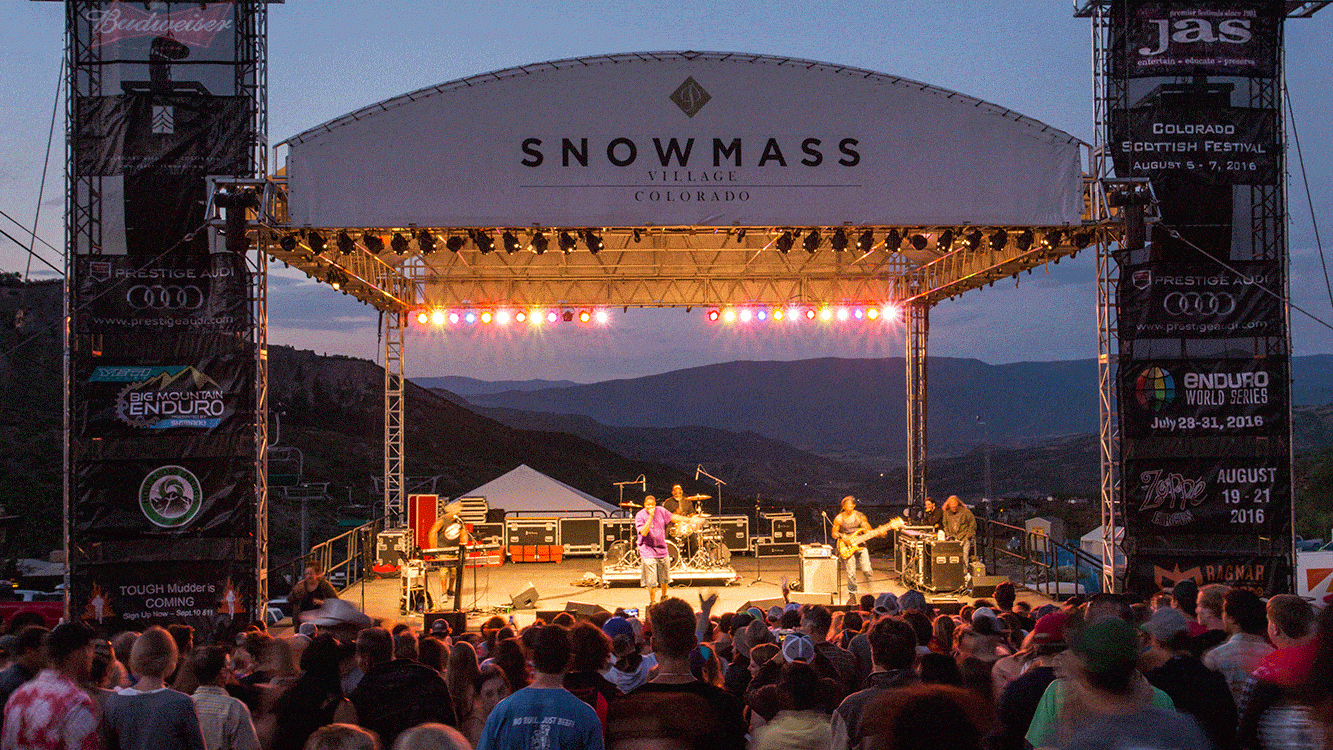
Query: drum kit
{"x": 693, "y": 534}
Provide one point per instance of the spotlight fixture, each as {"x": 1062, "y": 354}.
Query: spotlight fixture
{"x": 437, "y": 317}
{"x": 1053, "y": 239}
{"x": 838, "y": 241}
{"x": 973, "y": 239}
{"x": 1081, "y": 239}
{"x": 510, "y": 241}
{"x": 487, "y": 317}
{"x": 454, "y": 243}
{"x": 784, "y": 242}
{"x": 999, "y": 240}
{"x": 345, "y": 243}
{"x": 538, "y": 243}
{"x": 593, "y": 241}
{"x": 713, "y": 315}
{"x": 601, "y": 317}
{"x": 316, "y": 242}
{"x": 637, "y": 236}
{"x": 520, "y": 317}
{"x": 423, "y": 317}
{"x": 552, "y": 316}
{"x": 945, "y": 241}
{"x": 778, "y": 313}
{"x": 567, "y": 316}
{"x": 872, "y": 313}
{"x": 740, "y": 235}
{"x": 373, "y": 243}
{"x": 425, "y": 242}
{"x": 893, "y": 241}
{"x": 567, "y": 242}
{"x": 1025, "y": 240}
{"x": 585, "y": 316}
{"x": 399, "y": 243}
{"x": 919, "y": 242}
{"x": 287, "y": 243}
{"x": 812, "y": 241}
{"x": 484, "y": 242}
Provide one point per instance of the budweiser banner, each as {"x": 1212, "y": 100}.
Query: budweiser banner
{"x": 117, "y": 294}
{"x": 1196, "y": 37}
{"x": 216, "y": 597}
{"x": 1204, "y": 397}
{"x": 164, "y": 45}
{"x": 1222, "y": 496}
{"x": 1200, "y": 300}
{"x": 1150, "y": 572}
{"x": 184, "y": 498}
{"x": 1227, "y": 145}
{"x": 211, "y": 394}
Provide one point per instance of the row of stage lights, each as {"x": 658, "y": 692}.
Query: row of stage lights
{"x": 811, "y": 241}
{"x": 507, "y": 317}
{"x": 885, "y": 313}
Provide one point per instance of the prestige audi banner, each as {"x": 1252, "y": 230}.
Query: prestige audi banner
{"x": 683, "y": 139}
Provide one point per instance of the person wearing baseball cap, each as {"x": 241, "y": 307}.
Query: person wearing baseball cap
{"x": 1195, "y": 689}
{"x": 1035, "y": 663}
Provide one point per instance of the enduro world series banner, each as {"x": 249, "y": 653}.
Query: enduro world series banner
{"x": 1205, "y": 438}
{"x": 162, "y": 373}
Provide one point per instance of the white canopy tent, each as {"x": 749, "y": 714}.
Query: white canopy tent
{"x": 524, "y": 491}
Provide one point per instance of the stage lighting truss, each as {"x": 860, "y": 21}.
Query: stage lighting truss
{"x": 883, "y": 313}
{"x": 673, "y": 266}
{"x": 532, "y": 317}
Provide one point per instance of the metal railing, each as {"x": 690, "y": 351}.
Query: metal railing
{"x": 346, "y": 559}
{"x": 1034, "y": 560}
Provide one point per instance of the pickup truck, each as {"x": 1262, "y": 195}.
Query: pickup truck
{"x": 16, "y": 602}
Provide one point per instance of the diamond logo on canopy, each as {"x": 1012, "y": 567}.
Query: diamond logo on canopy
{"x": 690, "y": 97}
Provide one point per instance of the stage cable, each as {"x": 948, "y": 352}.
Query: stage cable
{"x": 1309, "y": 199}
{"x": 1286, "y": 300}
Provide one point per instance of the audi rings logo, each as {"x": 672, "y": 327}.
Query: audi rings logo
{"x": 1198, "y": 304}
{"x": 160, "y": 297}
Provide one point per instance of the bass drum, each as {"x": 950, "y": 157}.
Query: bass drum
{"x": 673, "y": 553}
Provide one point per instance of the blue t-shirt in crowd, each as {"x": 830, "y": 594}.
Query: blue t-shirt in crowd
{"x": 653, "y": 544}
{"x": 542, "y": 719}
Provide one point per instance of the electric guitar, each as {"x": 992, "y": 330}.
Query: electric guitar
{"x": 850, "y": 544}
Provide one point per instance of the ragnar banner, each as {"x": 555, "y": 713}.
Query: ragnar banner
{"x": 1204, "y": 397}
{"x": 1150, "y": 572}
{"x": 1200, "y": 300}
{"x": 1220, "y": 145}
{"x": 1195, "y": 37}
{"x": 1232, "y": 496}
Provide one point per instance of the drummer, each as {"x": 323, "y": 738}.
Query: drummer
{"x": 679, "y": 504}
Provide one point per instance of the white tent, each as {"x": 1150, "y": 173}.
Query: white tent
{"x": 524, "y": 491}
{"x": 1091, "y": 543}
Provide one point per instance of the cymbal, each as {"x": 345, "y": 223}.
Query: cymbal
{"x": 630, "y": 505}
{"x": 697, "y": 498}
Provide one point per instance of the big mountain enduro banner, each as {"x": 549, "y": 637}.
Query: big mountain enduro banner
{"x": 162, "y": 475}
{"x": 1185, "y": 38}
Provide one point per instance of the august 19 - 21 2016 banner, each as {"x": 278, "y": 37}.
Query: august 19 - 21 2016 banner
{"x": 1204, "y": 397}
{"x": 1223, "y": 496}
{"x": 1201, "y": 300}
{"x": 1195, "y": 37}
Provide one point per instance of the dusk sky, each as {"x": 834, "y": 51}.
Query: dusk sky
{"x": 329, "y": 57}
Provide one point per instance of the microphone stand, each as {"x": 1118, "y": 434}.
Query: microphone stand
{"x": 642, "y": 481}
{"x": 699, "y": 470}
{"x": 758, "y": 575}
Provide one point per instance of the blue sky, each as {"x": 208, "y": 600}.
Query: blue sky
{"x": 329, "y": 57}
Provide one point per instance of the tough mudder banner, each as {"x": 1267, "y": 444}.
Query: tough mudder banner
{"x": 1196, "y": 37}
{"x": 1201, "y": 300}
{"x": 1204, "y": 397}
{"x": 117, "y": 294}
{"x": 1222, "y": 145}
{"x": 1151, "y": 572}
{"x": 215, "y": 597}
{"x": 1228, "y": 496}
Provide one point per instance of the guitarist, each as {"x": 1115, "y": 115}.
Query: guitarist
{"x": 846, "y": 523}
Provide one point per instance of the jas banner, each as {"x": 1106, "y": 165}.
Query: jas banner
{"x": 116, "y": 294}
{"x": 181, "y": 499}
{"x": 1150, "y": 572}
{"x": 1195, "y": 37}
{"x": 212, "y": 394}
{"x": 1218, "y": 145}
{"x": 1200, "y": 300}
{"x": 216, "y": 597}
{"x": 1249, "y": 496}
{"x": 163, "y": 133}
{"x": 1204, "y": 397}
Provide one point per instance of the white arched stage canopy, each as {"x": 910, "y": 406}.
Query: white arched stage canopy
{"x": 676, "y": 179}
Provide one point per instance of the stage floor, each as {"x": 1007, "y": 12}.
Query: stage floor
{"x": 557, "y": 584}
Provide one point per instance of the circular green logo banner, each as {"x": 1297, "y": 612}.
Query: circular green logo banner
{"x": 171, "y": 497}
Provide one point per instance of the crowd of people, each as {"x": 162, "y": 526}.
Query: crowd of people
{"x": 1218, "y": 668}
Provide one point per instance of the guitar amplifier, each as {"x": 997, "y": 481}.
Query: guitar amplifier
{"x": 819, "y": 569}
{"x": 944, "y": 568}
{"x": 776, "y": 549}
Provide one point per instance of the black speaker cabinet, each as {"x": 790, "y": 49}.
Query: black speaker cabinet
{"x": 777, "y": 549}
{"x": 983, "y": 587}
{"x": 525, "y": 598}
{"x": 457, "y": 621}
{"x": 584, "y": 610}
{"x": 945, "y": 569}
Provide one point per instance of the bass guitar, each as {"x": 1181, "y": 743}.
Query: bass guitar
{"x": 850, "y": 544}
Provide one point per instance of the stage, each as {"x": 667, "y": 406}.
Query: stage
{"x": 558, "y": 584}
